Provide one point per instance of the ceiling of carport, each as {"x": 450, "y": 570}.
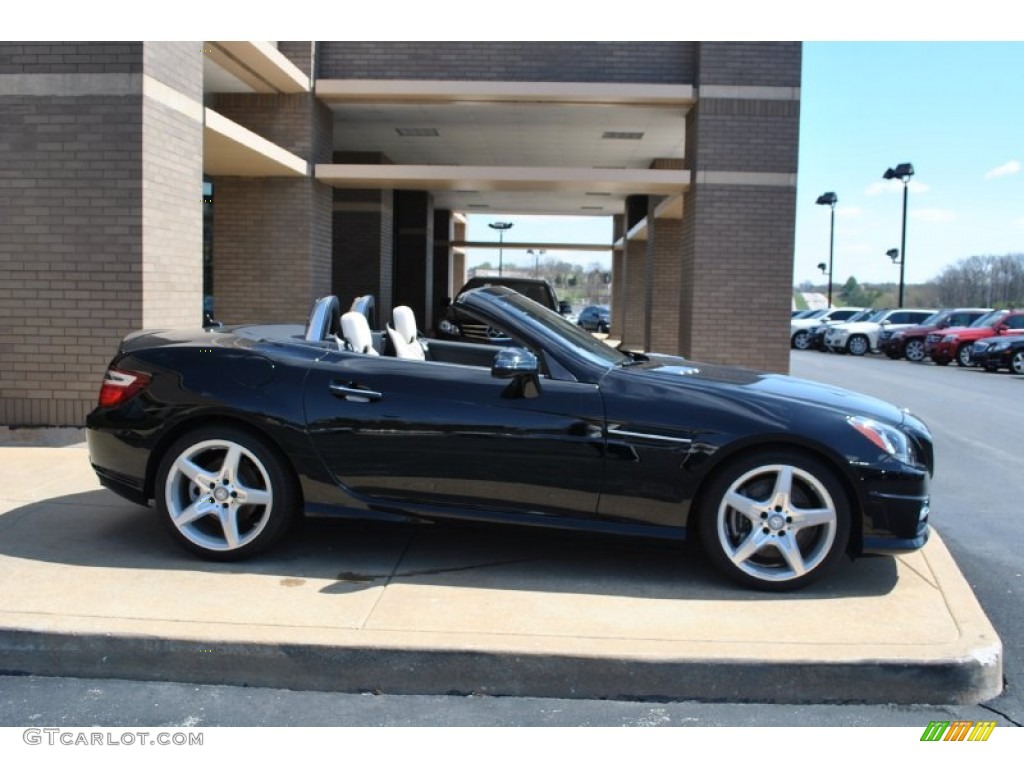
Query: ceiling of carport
{"x": 517, "y": 135}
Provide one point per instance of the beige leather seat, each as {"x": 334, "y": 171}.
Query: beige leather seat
{"x": 356, "y": 331}
{"x": 404, "y": 335}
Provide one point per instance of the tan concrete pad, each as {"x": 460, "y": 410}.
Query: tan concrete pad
{"x": 86, "y": 576}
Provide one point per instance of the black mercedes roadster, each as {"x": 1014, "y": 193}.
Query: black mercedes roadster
{"x": 233, "y": 432}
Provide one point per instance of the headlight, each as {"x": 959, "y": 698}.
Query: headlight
{"x": 889, "y": 439}
{"x": 450, "y": 328}
{"x": 950, "y": 339}
{"x": 999, "y": 346}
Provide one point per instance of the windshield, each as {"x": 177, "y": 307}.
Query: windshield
{"x": 864, "y": 314}
{"x": 937, "y": 317}
{"x": 540, "y": 318}
{"x": 539, "y": 292}
{"x": 814, "y": 314}
{"x": 987, "y": 321}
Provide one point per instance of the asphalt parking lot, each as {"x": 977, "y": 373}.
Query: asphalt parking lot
{"x": 95, "y": 589}
{"x": 976, "y": 423}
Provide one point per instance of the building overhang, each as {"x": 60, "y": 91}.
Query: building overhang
{"x": 231, "y": 150}
{"x": 460, "y": 91}
{"x": 601, "y": 183}
{"x": 259, "y": 65}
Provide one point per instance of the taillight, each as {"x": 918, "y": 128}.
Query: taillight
{"x": 120, "y": 386}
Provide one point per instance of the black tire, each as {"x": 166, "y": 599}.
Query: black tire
{"x": 858, "y": 345}
{"x": 913, "y": 350}
{"x": 801, "y": 340}
{"x": 750, "y": 545}
{"x": 963, "y": 356}
{"x": 204, "y": 482}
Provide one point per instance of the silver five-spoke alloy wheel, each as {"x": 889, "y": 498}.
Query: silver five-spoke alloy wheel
{"x": 858, "y": 345}
{"x": 914, "y": 351}
{"x": 776, "y": 522}
{"x": 224, "y": 495}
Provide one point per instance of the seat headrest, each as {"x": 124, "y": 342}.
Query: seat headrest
{"x": 356, "y": 331}
{"x": 405, "y": 323}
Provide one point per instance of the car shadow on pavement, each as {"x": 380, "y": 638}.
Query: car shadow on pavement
{"x": 97, "y": 529}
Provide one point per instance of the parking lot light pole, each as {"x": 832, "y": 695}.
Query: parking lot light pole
{"x": 536, "y": 260}
{"x": 894, "y": 254}
{"x": 501, "y": 226}
{"x": 903, "y": 172}
{"x": 829, "y": 199}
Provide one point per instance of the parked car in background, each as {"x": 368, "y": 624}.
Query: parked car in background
{"x": 862, "y": 337}
{"x": 236, "y": 432}
{"x": 595, "y": 318}
{"x": 997, "y": 352}
{"x": 909, "y": 342}
{"x": 951, "y": 344}
{"x": 816, "y": 337}
{"x": 453, "y": 327}
{"x": 800, "y": 328}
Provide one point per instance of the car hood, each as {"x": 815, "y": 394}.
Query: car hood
{"x": 746, "y": 384}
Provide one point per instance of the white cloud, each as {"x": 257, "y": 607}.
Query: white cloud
{"x": 893, "y": 186}
{"x": 1006, "y": 169}
{"x": 934, "y": 215}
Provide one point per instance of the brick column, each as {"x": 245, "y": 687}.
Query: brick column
{"x": 414, "y": 252}
{"x": 664, "y": 263}
{"x": 739, "y": 214}
{"x": 100, "y": 213}
{"x": 442, "y": 266}
{"x": 273, "y": 236}
{"x": 618, "y": 279}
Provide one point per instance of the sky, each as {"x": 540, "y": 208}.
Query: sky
{"x": 955, "y": 111}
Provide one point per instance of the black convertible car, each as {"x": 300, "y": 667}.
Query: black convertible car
{"x": 232, "y": 432}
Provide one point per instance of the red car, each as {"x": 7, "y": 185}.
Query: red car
{"x": 955, "y": 343}
{"x": 909, "y": 342}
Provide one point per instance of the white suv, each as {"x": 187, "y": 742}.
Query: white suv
{"x": 800, "y": 328}
{"x": 862, "y": 337}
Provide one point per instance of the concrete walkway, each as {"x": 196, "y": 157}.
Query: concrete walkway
{"x": 92, "y": 586}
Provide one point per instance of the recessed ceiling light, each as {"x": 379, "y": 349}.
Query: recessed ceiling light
{"x": 626, "y": 135}
{"x": 417, "y": 131}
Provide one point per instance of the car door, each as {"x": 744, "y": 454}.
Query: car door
{"x": 441, "y": 438}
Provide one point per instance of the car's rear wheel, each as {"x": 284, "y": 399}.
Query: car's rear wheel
{"x": 963, "y": 356}
{"x": 224, "y": 493}
{"x": 775, "y": 521}
{"x": 1017, "y": 362}
{"x": 913, "y": 350}
{"x": 858, "y": 345}
{"x": 801, "y": 340}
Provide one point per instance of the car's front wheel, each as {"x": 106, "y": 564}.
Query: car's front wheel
{"x": 858, "y": 345}
{"x": 963, "y": 356}
{"x": 775, "y": 521}
{"x": 914, "y": 351}
{"x": 1017, "y": 362}
{"x": 801, "y": 340}
{"x": 224, "y": 493}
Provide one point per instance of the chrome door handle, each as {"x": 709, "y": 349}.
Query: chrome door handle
{"x": 354, "y": 393}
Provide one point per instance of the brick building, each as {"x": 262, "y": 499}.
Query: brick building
{"x": 349, "y": 168}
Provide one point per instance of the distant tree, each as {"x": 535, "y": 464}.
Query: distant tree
{"x": 991, "y": 281}
{"x": 854, "y": 294}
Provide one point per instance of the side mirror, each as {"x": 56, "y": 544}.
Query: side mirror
{"x": 564, "y": 308}
{"x": 521, "y": 367}
{"x": 513, "y": 362}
